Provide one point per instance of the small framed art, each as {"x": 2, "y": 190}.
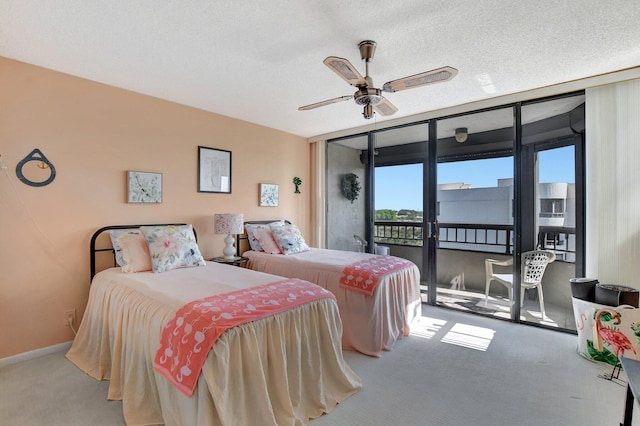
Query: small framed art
{"x": 144, "y": 187}
{"x": 268, "y": 195}
{"x": 214, "y": 170}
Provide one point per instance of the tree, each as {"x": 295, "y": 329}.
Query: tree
{"x": 386, "y": 214}
{"x": 410, "y": 215}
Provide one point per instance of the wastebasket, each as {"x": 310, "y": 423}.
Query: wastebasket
{"x": 383, "y": 250}
{"x": 584, "y": 288}
{"x": 616, "y": 295}
{"x": 589, "y": 297}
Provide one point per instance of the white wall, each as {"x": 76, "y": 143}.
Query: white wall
{"x": 613, "y": 183}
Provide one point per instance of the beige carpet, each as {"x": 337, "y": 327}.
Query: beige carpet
{"x": 455, "y": 369}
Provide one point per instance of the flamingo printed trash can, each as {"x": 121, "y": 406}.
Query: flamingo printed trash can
{"x": 606, "y": 333}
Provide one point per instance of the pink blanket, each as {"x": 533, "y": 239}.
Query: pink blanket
{"x": 190, "y": 334}
{"x": 363, "y": 276}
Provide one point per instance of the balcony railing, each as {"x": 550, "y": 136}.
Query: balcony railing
{"x": 393, "y": 232}
{"x": 476, "y": 237}
{"x": 560, "y": 240}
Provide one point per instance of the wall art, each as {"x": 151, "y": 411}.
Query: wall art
{"x": 144, "y": 187}
{"x": 214, "y": 170}
{"x": 268, "y": 195}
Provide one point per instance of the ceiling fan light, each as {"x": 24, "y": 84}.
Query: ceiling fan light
{"x": 367, "y": 112}
{"x": 461, "y": 134}
{"x": 367, "y": 96}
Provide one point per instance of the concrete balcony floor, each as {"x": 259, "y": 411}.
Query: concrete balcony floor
{"x": 497, "y": 306}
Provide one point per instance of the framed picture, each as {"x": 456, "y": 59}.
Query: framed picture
{"x": 268, "y": 195}
{"x": 214, "y": 170}
{"x": 144, "y": 187}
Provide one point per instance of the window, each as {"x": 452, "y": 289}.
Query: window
{"x": 552, "y": 207}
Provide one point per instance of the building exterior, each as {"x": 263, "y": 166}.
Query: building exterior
{"x": 459, "y": 203}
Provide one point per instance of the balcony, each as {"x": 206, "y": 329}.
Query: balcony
{"x": 462, "y": 249}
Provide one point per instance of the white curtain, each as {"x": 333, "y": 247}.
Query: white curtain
{"x": 613, "y": 183}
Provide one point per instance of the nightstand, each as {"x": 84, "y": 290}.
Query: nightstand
{"x": 236, "y": 261}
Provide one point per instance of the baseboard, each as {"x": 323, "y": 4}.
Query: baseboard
{"x": 26, "y": 356}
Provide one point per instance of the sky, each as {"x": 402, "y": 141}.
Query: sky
{"x": 400, "y": 187}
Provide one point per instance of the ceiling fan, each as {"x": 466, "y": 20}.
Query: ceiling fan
{"x": 368, "y": 95}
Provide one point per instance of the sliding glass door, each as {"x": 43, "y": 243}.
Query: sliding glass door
{"x": 475, "y": 198}
{"x": 387, "y": 216}
{"x": 401, "y": 196}
{"x": 552, "y": 162}
{"x": 508, "y": 184}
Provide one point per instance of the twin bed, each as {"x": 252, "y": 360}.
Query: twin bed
{"x": 256, "y": 372}
{"x": 372, "y": 321}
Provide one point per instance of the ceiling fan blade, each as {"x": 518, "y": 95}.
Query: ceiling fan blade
{"x": 345, "y": 70}
{"x": 384, "y": 107}
{"x": 323, "y": 103}
{"x": 429, "y": 77}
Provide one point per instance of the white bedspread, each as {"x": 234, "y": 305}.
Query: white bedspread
{"x": 371, "y": 324}
{"x": 257, "y": 373}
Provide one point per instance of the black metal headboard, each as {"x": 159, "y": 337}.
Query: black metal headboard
{"x": 93, "y": 251}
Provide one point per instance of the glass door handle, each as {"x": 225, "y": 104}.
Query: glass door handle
{"x": 432, "y": 230}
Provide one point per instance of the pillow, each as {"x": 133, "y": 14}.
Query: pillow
{"x": 265, "y": 237}
{"x": 289, "y": 239}
{"x": 135, "y": 253}
{"x": 114, "y": 234}
{"x": 250, "y": 227}
{"x": 172, "y": 247}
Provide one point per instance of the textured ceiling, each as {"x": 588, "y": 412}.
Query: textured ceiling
{"x": 259, "y": 61}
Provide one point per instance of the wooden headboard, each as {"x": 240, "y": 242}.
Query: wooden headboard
{"x": 101, "y": 243}
{"x": 242, "y": 240}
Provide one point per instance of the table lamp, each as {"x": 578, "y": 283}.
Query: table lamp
{"x": 228, "y": 224}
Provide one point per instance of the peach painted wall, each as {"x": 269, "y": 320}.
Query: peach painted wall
{"x": 93, "y": 134}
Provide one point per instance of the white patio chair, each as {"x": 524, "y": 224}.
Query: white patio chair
{"x": 533, "y": 266}
{"x": 361, "y": 244}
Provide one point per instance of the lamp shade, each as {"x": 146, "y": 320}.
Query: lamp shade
{"x": 228, "y": 223}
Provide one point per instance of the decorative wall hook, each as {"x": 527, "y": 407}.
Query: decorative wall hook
{"x": 297, "y": 182}
{"x": 44, "y": 163}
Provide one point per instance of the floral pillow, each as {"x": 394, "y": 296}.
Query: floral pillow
{"x": 251, "y": 227}
{"x": 267, "y": 241}
{"x": 114, "y": 234}
{"x": 289, "y": 239}
{"x": 172, "y": 247}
